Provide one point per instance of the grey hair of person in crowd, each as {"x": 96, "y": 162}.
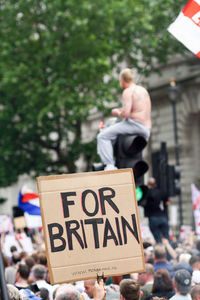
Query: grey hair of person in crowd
{"x": 160, "y": 251}
{"x": 67, "y": 292}
{"x": 13, "y": 292}
{"x": 39, "y": 271}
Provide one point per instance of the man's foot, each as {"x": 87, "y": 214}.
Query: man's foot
{"x": 110, "y": 167}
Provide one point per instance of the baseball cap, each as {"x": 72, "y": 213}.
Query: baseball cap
{"x": 183, "y": 281}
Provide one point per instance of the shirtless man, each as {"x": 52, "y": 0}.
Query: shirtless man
{"x": 135, "y": 114}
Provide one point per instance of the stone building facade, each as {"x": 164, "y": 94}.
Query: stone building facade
{"x": 186, "y": 73}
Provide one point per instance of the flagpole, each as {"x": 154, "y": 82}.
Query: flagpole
{"x": 173, "y": 94}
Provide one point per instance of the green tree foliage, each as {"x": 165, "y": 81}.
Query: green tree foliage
{"x": 54, "y": 58}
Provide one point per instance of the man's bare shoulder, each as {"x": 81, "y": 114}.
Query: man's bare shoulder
{"x": 127, "y": 92}
{"x": 140, "y": 89}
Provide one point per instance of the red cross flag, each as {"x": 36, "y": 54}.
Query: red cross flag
{"x": 186, "y": 27}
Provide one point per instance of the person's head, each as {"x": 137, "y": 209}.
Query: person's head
{"x": 152, "y": 183}
{"x": 146, "y": 276}
{"x": 35, "y": 257}
{"x": 184, "y": 258}
{"x": 13, "y": 292}
{"x": 44, "y": 294}
{"x": 126, "y": 78}
{"x": 195, "y": 262}
{"x": 89, "y": 287}
{"x": 42, "y": 259}
{"x": 13, "y": 248}
{"x": 16, "y": 257}
{"x": 162, "y": 281}
{"x": 148, "y": 255}
{"x": 182, "y": 282}
{"x": 160, "y": 252}
{"x": 23, "y": 272}
{"x": 23, "y": 255}
{"x": 129, "y": 289}
{"x": 195, "y": 292}
{"x": 38, "y": 272}
{"x": 67, "y": 292}
{"x": 30, "y": 262}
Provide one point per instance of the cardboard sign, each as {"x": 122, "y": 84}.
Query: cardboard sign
{"x": 91, "y": 225}
{"x": 19, "y": 222}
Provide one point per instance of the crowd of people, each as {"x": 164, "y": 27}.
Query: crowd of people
{"x": 172, "y": 271}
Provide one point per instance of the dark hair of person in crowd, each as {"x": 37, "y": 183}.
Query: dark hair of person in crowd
{"x": 130, "y": 289}
{"x": 194, "y": 262}
{"x": 35, "y": 257}
{"x": 44, "y": 294}
{"x": 23, "y": 271}
{"x": 13, "y": 248}
{"x": 23, "y": 255}
{"x": 146, "y": 245}
{"x": 30, "y": 262}
{"x": 162, "y": 282}
{"x": 16, "y": 257}
{"x": 42, "y": 259}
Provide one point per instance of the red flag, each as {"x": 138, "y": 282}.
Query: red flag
{"x": 186, "y": 27}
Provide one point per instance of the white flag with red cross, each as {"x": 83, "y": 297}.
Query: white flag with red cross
{"x": 196, "y": 208}
{"x": 186, "y": 27}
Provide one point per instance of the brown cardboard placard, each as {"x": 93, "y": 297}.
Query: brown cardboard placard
{"x": 19, "y": 222}
{"x": 91, "y": 224}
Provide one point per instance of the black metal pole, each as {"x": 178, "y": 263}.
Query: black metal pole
{"x": 175, "y": 132}
{"x": 4, "y": 291}
{"x": 177, "y": 158}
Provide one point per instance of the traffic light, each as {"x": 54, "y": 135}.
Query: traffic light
{"x": 141, "y": 194}
{"x": 167, "y": 176}
{"x": 160, "y": 167}
{"x": 174, "y": 187}
{"x": 128, "y": 153}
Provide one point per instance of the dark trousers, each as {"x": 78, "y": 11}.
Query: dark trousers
{"x": 159, "y": 227}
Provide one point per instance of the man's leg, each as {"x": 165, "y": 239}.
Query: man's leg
{"x": 154, "y": 227}
{"x": 164, "y": 227}
{"x": 107, "y": 137}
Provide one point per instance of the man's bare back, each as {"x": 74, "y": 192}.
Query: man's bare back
{"x": 141, "y": 105}
{"x": 136, "y": 105}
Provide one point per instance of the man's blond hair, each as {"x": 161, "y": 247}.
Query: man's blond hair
{"x": 127, "y": 74}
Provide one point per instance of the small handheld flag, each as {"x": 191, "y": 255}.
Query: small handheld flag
{"x": 29, "y": 203}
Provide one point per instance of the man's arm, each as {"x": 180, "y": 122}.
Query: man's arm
{"x": 125, "y": 111}
{"x": 169, "y": 248}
